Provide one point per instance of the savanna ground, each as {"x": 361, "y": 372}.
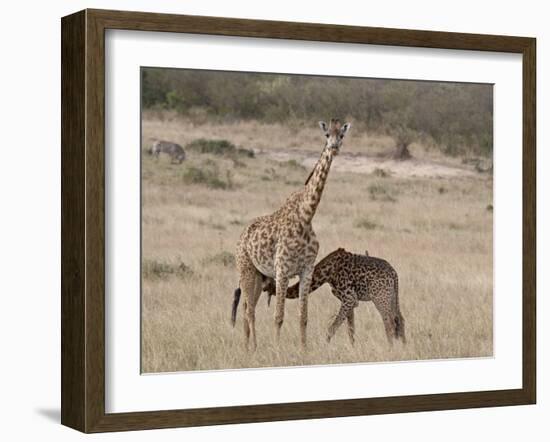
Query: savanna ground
{"x": 430, "y": 217}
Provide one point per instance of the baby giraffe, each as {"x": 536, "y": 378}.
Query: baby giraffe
{"x": 283, "y": 245}
{"x": 355, "y": 278}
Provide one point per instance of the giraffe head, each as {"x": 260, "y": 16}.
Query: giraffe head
{"x": 334, "y": 133}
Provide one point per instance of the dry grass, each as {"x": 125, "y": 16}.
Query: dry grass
{"x": 436, "y": 232}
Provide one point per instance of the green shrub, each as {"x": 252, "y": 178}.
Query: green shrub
{"x": 365, "y": 223}
{"x": 249, "y": 153}
{"x": 215, "y": 147}
{"x": 175, "y": 101}
{"x": 456, "y": 226}
{"x": 293, "y": 164}
{"x": 379, "y": 192}
{"x": 153, "y": 269}
{"x": 207, "y": 176}
{"x": 456, "y": 117}
{"x": 223, "y": 258}
{"x": 219, "y": 147}
{"x": 381, "y": 173}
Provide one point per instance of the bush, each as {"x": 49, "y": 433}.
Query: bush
{"x": 215, "y": 147}
{"x": 219, "y": 147}
{"x": 175, "y": 101}
{"x": 379, "y": 192}
{"x": 365, "y": 223}
{"x": 223, "y": 258}
{"x": 456, "y": 116}
{"x": 245, "y": 152}
{"x": 153, "y": 269}
{"x": 380, "y": 173}
{"x": 293, "y": 164}
{"x": 207, "y": 176}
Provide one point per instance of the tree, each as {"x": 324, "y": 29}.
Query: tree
{"x": 404, "y": 137}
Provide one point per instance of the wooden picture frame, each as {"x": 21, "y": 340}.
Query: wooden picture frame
{"x": 83, "y": 220}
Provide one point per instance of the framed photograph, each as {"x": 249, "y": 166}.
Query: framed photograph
{"x": 267, "y": 221}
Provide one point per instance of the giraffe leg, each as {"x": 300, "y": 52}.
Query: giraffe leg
{"x": 252, "y": 311}
{"x": 351, "y": 326}
{"x": 383, "y": 305}
{"x": 337, "y": 320}
{"x": 304, "y": 289}
{"x": 250, "y": 284}
{"x": 389, "y": 327}
{"x": 349, "y": 302}
{"x": 400, "y": 327}
{"x": 246, "y": 325}
{"x": 281, "y": 285}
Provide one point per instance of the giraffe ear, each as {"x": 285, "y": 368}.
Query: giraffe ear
{"x": 345, "y": 128}
{"x": 323, "y": 126}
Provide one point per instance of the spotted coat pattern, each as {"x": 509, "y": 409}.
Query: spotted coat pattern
{"x": 355, "y": 278}
{"x": 283, "y": 244}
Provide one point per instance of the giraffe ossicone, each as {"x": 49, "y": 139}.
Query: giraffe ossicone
{"x": 283, "y": 244}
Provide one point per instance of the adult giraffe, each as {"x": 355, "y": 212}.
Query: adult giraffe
{"x": 283, "y": 245}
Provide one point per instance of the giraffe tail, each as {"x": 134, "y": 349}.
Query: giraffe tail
{"x": 236, "y": 299}
{"x": 398, "y": 318}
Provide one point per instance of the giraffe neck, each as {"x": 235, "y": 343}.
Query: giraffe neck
{"x": 315, "y": 185}
{"x": 323, "y": 271}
